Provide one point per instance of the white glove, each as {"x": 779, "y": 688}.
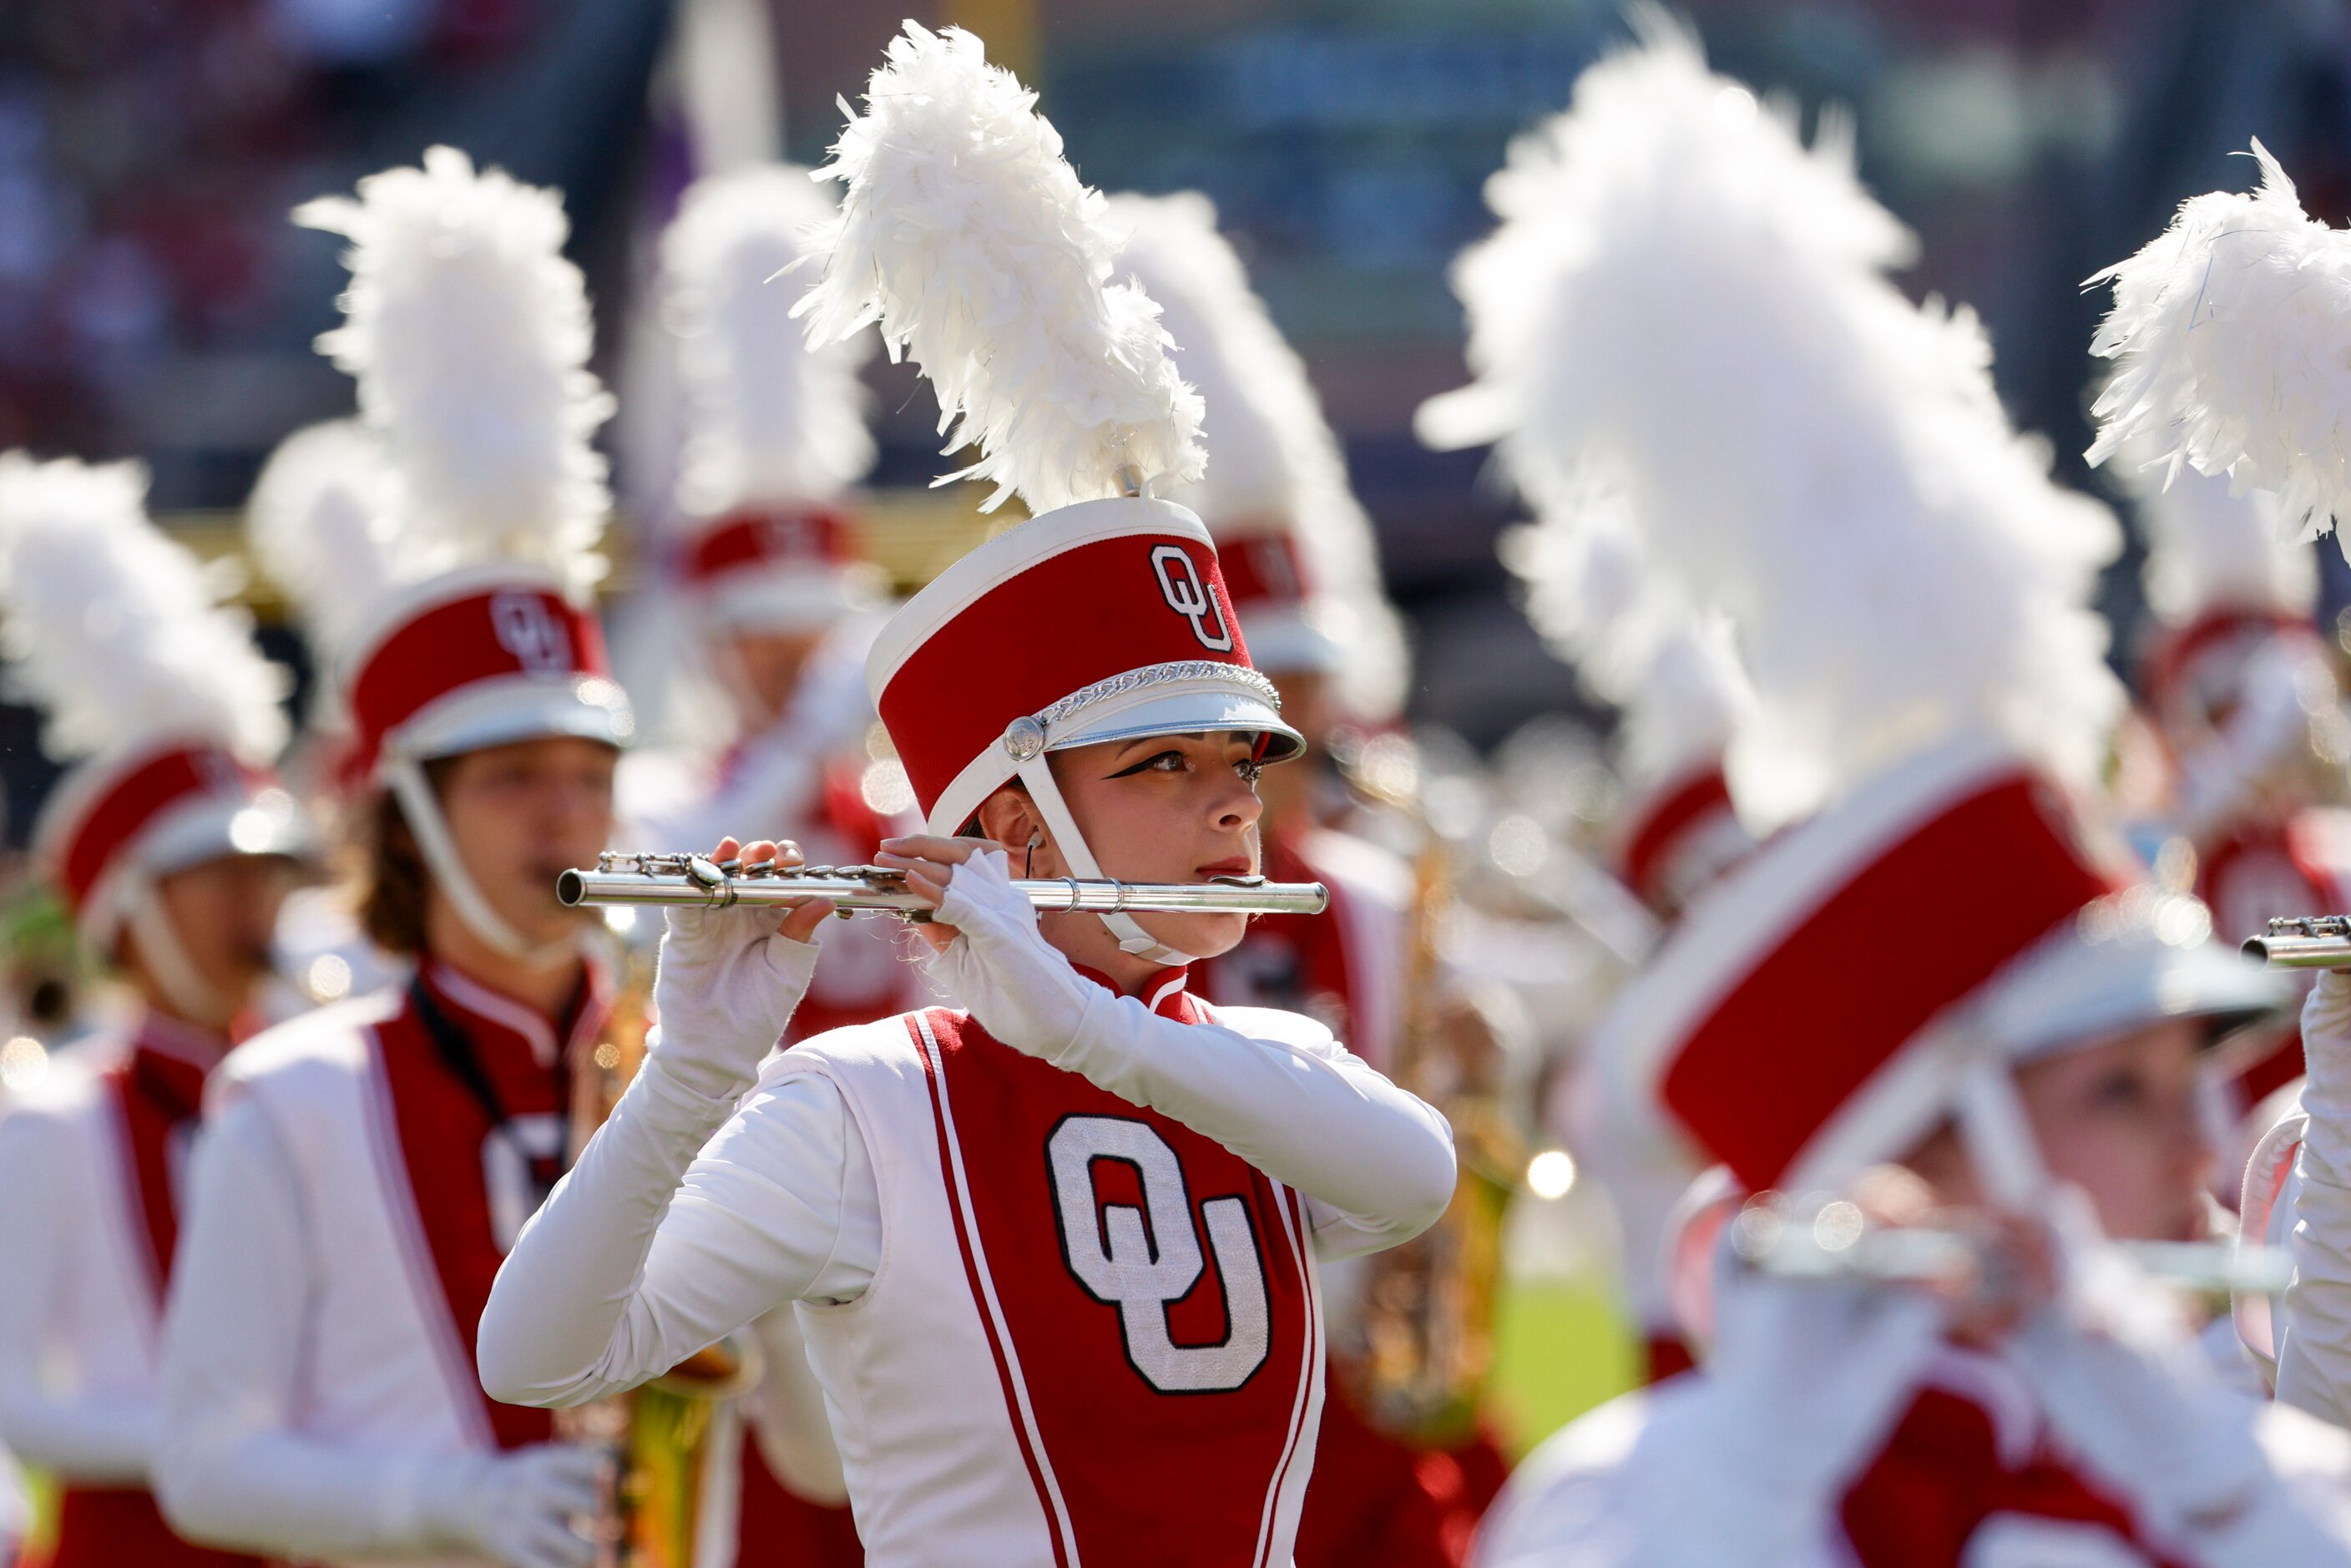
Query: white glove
{"x": 2123, "y": 1386}
{"x": 1806, "y": 1381}
{"x": 1000, "y": 968}
{"x": 726, "y": 986}
{"x": 516, "y": 1506}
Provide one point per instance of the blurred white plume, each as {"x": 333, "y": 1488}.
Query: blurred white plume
{"x": 317, "y": 526}
{"x": 964, "y": 231}
{"x": 2208, "y": 550}
{"x": 2231, "y": 350}
{"x": 1275, "y": 466}
{"x": 116, "y": 632}
{"x": 469, "y": 335}
{"x": 771, "y": 420}
{"x": 1685, "y": 307}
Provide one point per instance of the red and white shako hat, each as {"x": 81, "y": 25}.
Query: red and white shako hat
{"x": 1680, "y": 831}
{"x": 1825, "y": 1007}
{"x": 764, "y": 534}
{"x": 965, "y": 234}
{"x": 1299, "y": 559}
{"x": 154, "y": 693}
{"x": 469, "y": 335}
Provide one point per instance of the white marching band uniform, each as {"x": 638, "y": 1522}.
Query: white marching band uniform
{"x": 956, "y": 1199}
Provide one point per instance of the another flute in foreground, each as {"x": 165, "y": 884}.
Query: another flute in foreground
{"x": 1834, "y": 1240}
{"x": 2303, "y": 942}
{"x": 699, "y": 881}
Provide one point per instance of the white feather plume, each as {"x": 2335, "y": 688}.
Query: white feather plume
{"x": 1275, "y": 464}
{"x": 2208, "y": 550}
{"x": 316, "y": 525}
{"x": 117, "y": 631}
{"x": 469, "y": 335}
{"x": 1685, "y": 303}
{"x": 965, "y": 234}
{"x": 2231, "y": 334}
{"x": 771, "y": 420}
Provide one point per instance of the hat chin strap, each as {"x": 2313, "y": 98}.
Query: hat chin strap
{"x": 414, "y": 792}
{"x": 164, "y": 956}
{"x": 1998, "y": 1138}
{"x": 1132, "y": 937}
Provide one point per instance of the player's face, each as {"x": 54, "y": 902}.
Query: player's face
{"x": 1169, "y": 807}
{"x": 763, "y": 669}
{"x": 224, "y": 913}
{"x": 522, "y": 813}
{"x": 2118, "y": 1119}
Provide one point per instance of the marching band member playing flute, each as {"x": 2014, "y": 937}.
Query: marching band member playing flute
{"x": 1054, "y": 1249}
{"x": 174, "y": 849}
{"x": 1948, "y": 963}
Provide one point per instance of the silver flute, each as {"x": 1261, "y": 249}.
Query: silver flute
{"x": 699, "y": 881}
{"x": 2303, "y": 942}
{"x": 1834, "y": 1241}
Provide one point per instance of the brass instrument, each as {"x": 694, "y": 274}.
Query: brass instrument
{"x": 699, "y": 881}
{"x": 1831, "y": 1240}
{"x": 1429, "y": 1305}
{"x": 656, "y": 1436}
{"x": 2303, "y": 942}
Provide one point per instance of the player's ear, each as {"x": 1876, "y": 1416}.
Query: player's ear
{"x": 1011, "y": 817}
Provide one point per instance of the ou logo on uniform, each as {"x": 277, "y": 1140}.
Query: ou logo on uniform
{"x": 535, "y": 634}
{"x": 1145, "y": 1260}
{"x": 1188, "y": 596}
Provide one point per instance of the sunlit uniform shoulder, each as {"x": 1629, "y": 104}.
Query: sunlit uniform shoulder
{"x": 1093, "y": 1334}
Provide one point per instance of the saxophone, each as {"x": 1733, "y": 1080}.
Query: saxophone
{"x": 1429, "y": 1306}
{"x": 657, "y": 1437}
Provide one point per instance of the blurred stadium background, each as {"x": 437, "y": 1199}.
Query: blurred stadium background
{"x": 154, "y": 302}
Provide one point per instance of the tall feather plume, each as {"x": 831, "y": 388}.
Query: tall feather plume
{"x": 2210, "y": 551}
{"x": 2231, "y": 334}
{"x": 316, "y": 525}
{"x": 771, "y": 420}
{"x": 1277, "y": 467}
{"x": 965, "y": 234}
{"x": 1685, "y": 305}
{"x": 469, "y": 335}
{"x": 115, "y": 630}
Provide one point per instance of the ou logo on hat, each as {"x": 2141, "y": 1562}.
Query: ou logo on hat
{"x": 1180, "y": 584}
{"x": 537, "y": 637}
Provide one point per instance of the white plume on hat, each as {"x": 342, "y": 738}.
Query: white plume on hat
{"x": 1275, "y": 464}
{"x": 2231, "y": 334}
{"x": 469, "y": 335}
{"x": 771, "y": 418}
{"x": 316, "y": 522}
{"x": 1686, "y": 304}
{"x": 116, "y": 631}
{"x": 965, "y": 234}
{"x": 2208, "y": 550}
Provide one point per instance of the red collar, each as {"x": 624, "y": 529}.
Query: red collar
{"x": 491, "y": 1017}
{"x": 1164, "y": 994}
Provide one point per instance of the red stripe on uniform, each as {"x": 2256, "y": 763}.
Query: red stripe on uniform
{"x": 933, "y": 1069}
{"x": 1298, "y": 1241}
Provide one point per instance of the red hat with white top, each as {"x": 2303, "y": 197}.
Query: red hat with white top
{"x": 965, "y": 234}
{"x": 154, "y": 693}
{"x": 469, "y": 334}
{"x": 1823, "y": 1008}
{"x": 775, "y": 432}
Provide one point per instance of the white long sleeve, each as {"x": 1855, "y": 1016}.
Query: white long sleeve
{"x": 644, "y": 1254}
{"x": 2314, "y": 1336}
{"x": 1374, "y": 1163}
{"x": 81, "y": 1435}
{"x": 230, "y": 1468}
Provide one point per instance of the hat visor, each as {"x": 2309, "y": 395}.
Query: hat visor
{"x": 793, "y": 602}
{"x": 517, "y": 708}
{"x": 1184, "y": 708}
{"x": 2095, "y": 980}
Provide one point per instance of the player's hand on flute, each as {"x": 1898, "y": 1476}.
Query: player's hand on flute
{"x": 515, "y": 1507}
{"x": 989, "y": 954}
{"x": 729, "y": 979}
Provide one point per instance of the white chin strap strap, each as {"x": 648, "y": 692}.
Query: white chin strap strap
{"x": 164, "y": 957}
{"x": 1025, "y": 741}
{"x": 1998, "y": 1138}
{"x": 414, "y": 792}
